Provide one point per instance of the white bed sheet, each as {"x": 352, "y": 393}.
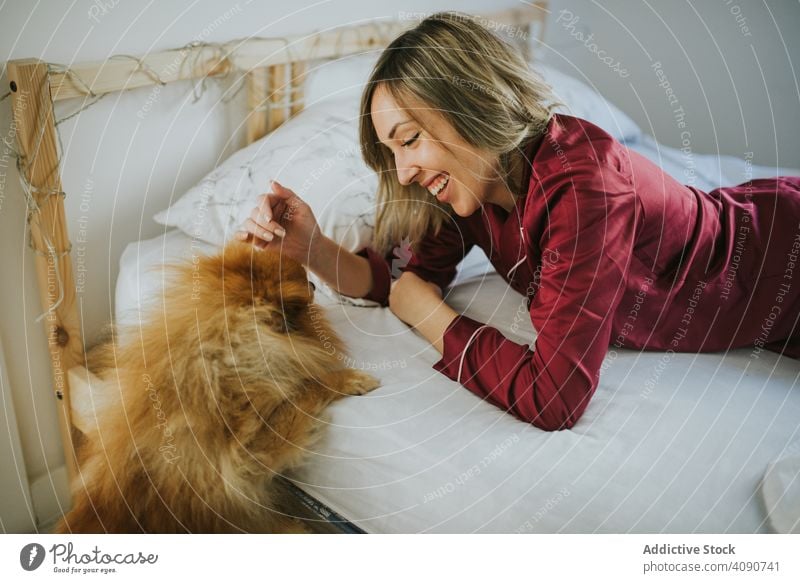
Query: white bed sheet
{"x": 422, "y": 454}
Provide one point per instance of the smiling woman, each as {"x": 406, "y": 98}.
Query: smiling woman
{"x": 459, "y": 114}
{"x": 469, "y": 153}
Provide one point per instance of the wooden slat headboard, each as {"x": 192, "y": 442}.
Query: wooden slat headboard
{"x": 273, "y": 71}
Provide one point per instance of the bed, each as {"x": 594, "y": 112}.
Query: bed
{"x": 701, "y": 443}
{"x": 692, "y": 443}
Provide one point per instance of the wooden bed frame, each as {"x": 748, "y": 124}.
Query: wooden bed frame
{"x": 273, "y": 71}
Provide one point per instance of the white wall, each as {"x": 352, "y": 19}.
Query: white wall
{"x": 733, "y": 65}
{"x": 129, "y": 155}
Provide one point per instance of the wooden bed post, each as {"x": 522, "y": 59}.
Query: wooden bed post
{"x": 33, "y": 115}
{"x": 297, "y": 81}
{"x": 278, "y": 91}
{"x": 257, "y": 94}
{"x": 267, "y": 90}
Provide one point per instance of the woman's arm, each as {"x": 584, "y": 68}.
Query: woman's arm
{"x": 346, "y": 272}
{"x": 592, "y": 235}
{"x": 419, "y": 304}
{"x": 284, "y": 222}
{"x": 434, "y": 262}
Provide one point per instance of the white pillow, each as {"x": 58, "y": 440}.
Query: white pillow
{"x": 584, "y": 102}
{"x": 316, "y": 154}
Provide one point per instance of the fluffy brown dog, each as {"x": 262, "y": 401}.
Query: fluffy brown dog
{"x": 214, "y": 395}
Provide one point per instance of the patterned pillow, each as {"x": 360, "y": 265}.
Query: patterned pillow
{"x": 316, "y": 154}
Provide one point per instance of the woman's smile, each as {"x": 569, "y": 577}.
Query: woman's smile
{"x": 438, "y": 185}
{"x": 426, "y": 148}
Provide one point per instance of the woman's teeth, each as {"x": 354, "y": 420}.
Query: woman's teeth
{"x": 437, "y": 186}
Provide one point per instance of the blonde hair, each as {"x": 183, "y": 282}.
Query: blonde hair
{"x": 505, "y": 106}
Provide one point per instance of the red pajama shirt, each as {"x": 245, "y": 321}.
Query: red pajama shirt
{"x": 610, "y": 251}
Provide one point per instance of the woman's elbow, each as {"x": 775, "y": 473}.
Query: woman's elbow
{"x": 554, "y": 423}
{"x": 554, "y": 416}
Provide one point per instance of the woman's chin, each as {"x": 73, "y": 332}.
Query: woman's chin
{"x": 464, "y": 209}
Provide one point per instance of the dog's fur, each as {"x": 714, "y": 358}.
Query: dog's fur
{"x": 216, "y": 393}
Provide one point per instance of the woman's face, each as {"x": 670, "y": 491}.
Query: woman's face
{"x": 431, "y": 153}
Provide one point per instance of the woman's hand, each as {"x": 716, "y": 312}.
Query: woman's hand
{"x": 282, "y": 220}
{"x": 419, "y": 304}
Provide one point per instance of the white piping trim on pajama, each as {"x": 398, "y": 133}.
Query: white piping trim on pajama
{"x": 517, "y": 264}
{"x": 524, "y": 257}
{"x": 464, "y": 351}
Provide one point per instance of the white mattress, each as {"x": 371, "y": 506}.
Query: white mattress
{"x": 666, "y": 445}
